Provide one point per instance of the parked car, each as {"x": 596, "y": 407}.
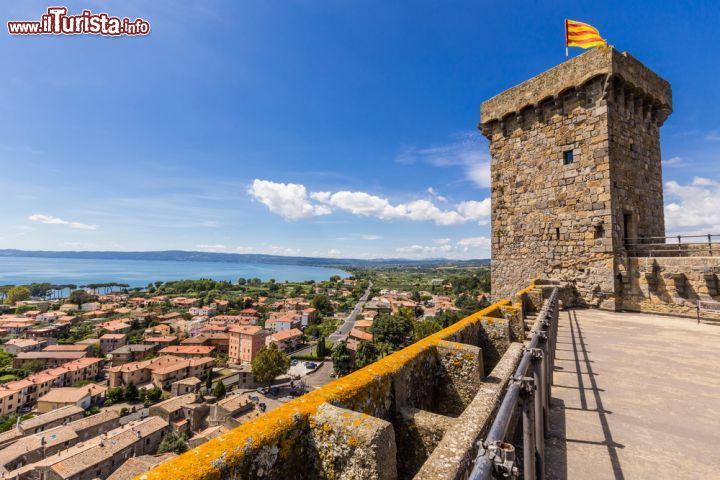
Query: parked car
{"x": 311, "y": 365}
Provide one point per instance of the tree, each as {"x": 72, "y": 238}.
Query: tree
{"x": 447, "y": 317}
{"x": 96, "y": 351}
{"x": 424, "y": 328}
{"x": 7, "y": 423}
{"x": 268, "y": 364}
{"x": 5, "y": 360}
{"x": 153, "y": 394}
{"x": 221, "y": 359}
{"x": 391, "y": 329}
{"x": 342, "y": 359}
{"x": 312, "y": 330}
{"x": 208, "y": 381}
{"x": 115, "y": 394}
{"x": 321, "y": 349}
{"x": 173, "y": 442}
{"x": 17, "y": 294}
{"x": 322, "y": 304}
{"x": 33, "y": 366}
{"x": 131, "y": 392}
{"x": 219, "y": 390}
{"x": 366, "y": 354}
{"x": 80, "y": 296}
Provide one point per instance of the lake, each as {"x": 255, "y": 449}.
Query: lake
{"x": 138, "y": 273}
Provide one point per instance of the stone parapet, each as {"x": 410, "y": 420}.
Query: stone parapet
{"x": 671, "y": 285}
{"x": 353, "y": 427}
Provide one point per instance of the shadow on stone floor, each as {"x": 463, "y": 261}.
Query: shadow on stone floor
{"x": 588, "y": 392}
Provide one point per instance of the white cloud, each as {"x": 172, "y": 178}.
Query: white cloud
{"x": 289, "y": 200}
{"x": 50, "y": 220}
{"x": 713, "y": 136}
{"x": 333, "y": 252}
{"x": 212, "y": 248}
{"x": 474, "y": 242}
{"x": 674, "y": 162}
{"x": 370, "y": 237}
{"x": 693, "y": 208}
{"x": 293, "y": 201}
{"x": 263, "y": 249}
{"x": 360, "y": 203}
{"x": 471, "y": 247}
{"x": 424, "y": 250}
{"x": 470, "y": 153}
{"x": 477, "y": 211}
{"x": 434, "y": 194}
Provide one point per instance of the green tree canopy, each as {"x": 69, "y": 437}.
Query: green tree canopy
{"x": 81, "y": 296}
{"x": 115, "y": 394}
{"x": 423, "y": 328}
{"x": 173, "y": 442}
{"x": 342, "y": 359}
{"x": 268, "y": 364}
{"x": 321, "y": 350}
{"x": 33, "y": 366}
{"x": 17, "y": 294}
{"x": 131, "y": 392}
{"x": 219, "y": 390}
{"x": 322, "y": 304}
{"x": 366, "y": 354}
{"x": 391, "y": 329}
{"x": 153, "y": 394}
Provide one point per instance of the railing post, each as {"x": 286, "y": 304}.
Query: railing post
{"x": 710, "y": 244}
{"x": 539, "y": 413}
{"x": 529, "y": 440}
{"x": 538, "y": 361}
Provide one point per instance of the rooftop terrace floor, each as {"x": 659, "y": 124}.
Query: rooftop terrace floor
{"x": 636, "y": 396}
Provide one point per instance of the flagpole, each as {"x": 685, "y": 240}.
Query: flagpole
{"x": 566, "y": 41}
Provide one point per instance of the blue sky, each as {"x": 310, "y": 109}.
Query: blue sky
{"x": 318, "y": 128}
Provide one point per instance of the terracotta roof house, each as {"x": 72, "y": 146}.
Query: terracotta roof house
{"x": 83, "y": 397}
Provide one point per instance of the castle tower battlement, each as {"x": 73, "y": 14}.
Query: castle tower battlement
{"x": 576, "y": 170}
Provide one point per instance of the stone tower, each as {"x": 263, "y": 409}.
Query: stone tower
{"x": 575, "y": 171}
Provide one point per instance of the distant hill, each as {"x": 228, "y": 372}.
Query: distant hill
{"x": 188, "y": 256}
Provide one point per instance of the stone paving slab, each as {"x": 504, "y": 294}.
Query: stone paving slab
{"x": 646, "y": 403}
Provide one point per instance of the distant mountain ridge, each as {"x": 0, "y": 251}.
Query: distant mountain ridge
{"x": 190, "y": 256}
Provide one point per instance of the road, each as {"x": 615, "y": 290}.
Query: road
{"x": 342, "y": 332}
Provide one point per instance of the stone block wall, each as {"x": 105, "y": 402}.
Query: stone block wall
{"x": 671, "y": 285}
{"x": 552, "y": 218}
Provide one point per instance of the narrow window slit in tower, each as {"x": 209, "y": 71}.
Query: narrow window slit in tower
{"x": 599, "y": 231}
{"x": 567, "y": 157}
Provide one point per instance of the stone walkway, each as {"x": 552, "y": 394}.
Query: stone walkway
{"x": 635, "y": 397}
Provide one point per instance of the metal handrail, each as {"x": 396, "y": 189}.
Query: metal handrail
{"x": 529, "y": 389}
{"x": 679, "y": 238}
{"x": 680, "y": 246}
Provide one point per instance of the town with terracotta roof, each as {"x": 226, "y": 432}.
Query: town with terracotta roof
{"x": 179, "y": 360}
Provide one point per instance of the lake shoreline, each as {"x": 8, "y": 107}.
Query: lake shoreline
{"x": 17, "y": 270}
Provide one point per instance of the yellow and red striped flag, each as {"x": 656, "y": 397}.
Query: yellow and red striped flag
{"x": 579, "y": 34}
